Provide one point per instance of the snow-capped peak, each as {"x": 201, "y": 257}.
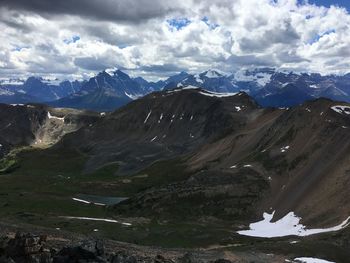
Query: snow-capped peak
{"x": 261, "y": 77}
{"x": 212, "y": 74}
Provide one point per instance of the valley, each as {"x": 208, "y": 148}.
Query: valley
{"x": 193, "y": 169}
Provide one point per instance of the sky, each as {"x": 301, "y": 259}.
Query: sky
{"x": 76, "y": 39}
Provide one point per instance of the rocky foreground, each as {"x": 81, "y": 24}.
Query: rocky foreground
{"x": 26, "y": 247}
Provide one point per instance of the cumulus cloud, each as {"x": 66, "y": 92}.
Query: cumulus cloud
{"x": 154, "y": 39}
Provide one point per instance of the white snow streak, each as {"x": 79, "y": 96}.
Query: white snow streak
{"x": 312, "y": 260}
{"x": 149, "y": 114}
{"x": 160, "y": 118}
{"x": 216, "y": 94}
{"x": 96, "y": 219}
{"x": 86, "y": 202}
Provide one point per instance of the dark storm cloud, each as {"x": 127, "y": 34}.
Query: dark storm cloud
{"x": 109, "y": 36}
{"x": 284, "y": 34}
{"x": 105, "y": 10}
{"x": 252, "y": 60}
{"x": 106, "y": 60}
{"x": 13, "y": 22}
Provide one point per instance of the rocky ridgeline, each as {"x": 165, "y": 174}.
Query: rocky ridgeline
{"x": 34, "y": 249}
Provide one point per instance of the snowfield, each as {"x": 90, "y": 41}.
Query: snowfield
{"x": 289, "y": 225}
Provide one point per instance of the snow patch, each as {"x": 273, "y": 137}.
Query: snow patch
{"x": 289, "y": 225}
{"x": 87, "y": 202}
{"x": 198, "y": 79}
{"x": 238, "y": 108}
{"x": 341, "y": 109}
{"x": 154, "y": 138}
{"x": 260, "y": 78}
{"x": 285, "y": 148}
{"x": 211, "y": 74}
{"x": 217, "y": 94}
{"x": 132, "y": 96}
{"x": 54, "y": 117}
{"x": 314, "y": 86}
{"x": 182, "y": 88}
{"x": 160, "y": 118}
{"x": 312, "y": 260}
{"x": 4, "y": 92}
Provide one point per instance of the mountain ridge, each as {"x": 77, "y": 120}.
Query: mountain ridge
{"x": 108, "y": 91}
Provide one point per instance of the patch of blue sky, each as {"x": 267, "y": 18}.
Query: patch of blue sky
{"x": 209, "y": 23}
{"x": 308, "y": 17}
{"x": 19, "y": 48}
{"x": 74, "y": 39}
{"x": 327, "y": 3}
{"x": 178, "y": 23}
{"x": 319, "y": 36}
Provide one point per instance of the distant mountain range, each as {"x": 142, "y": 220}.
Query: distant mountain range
{"x": 108, "y": 91}
{"x": 36, "y": 89}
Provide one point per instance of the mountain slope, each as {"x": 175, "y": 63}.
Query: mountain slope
{"x": 226, "y": 142}
{"x": 104, "y": 92}
{"x": 167, "y": 123}
{"x": 37, "y": 125}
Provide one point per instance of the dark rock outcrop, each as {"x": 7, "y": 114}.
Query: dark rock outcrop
{"x": 24, "y": 248}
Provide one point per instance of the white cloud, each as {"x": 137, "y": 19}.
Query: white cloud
{"x": 235, "y": 34}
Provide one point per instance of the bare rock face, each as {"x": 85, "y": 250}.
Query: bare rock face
{"x": 87, "y": 251}
{"x": 26, "y": 248}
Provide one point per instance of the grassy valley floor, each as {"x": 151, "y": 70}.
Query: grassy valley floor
{"x": 38, "y": 195}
